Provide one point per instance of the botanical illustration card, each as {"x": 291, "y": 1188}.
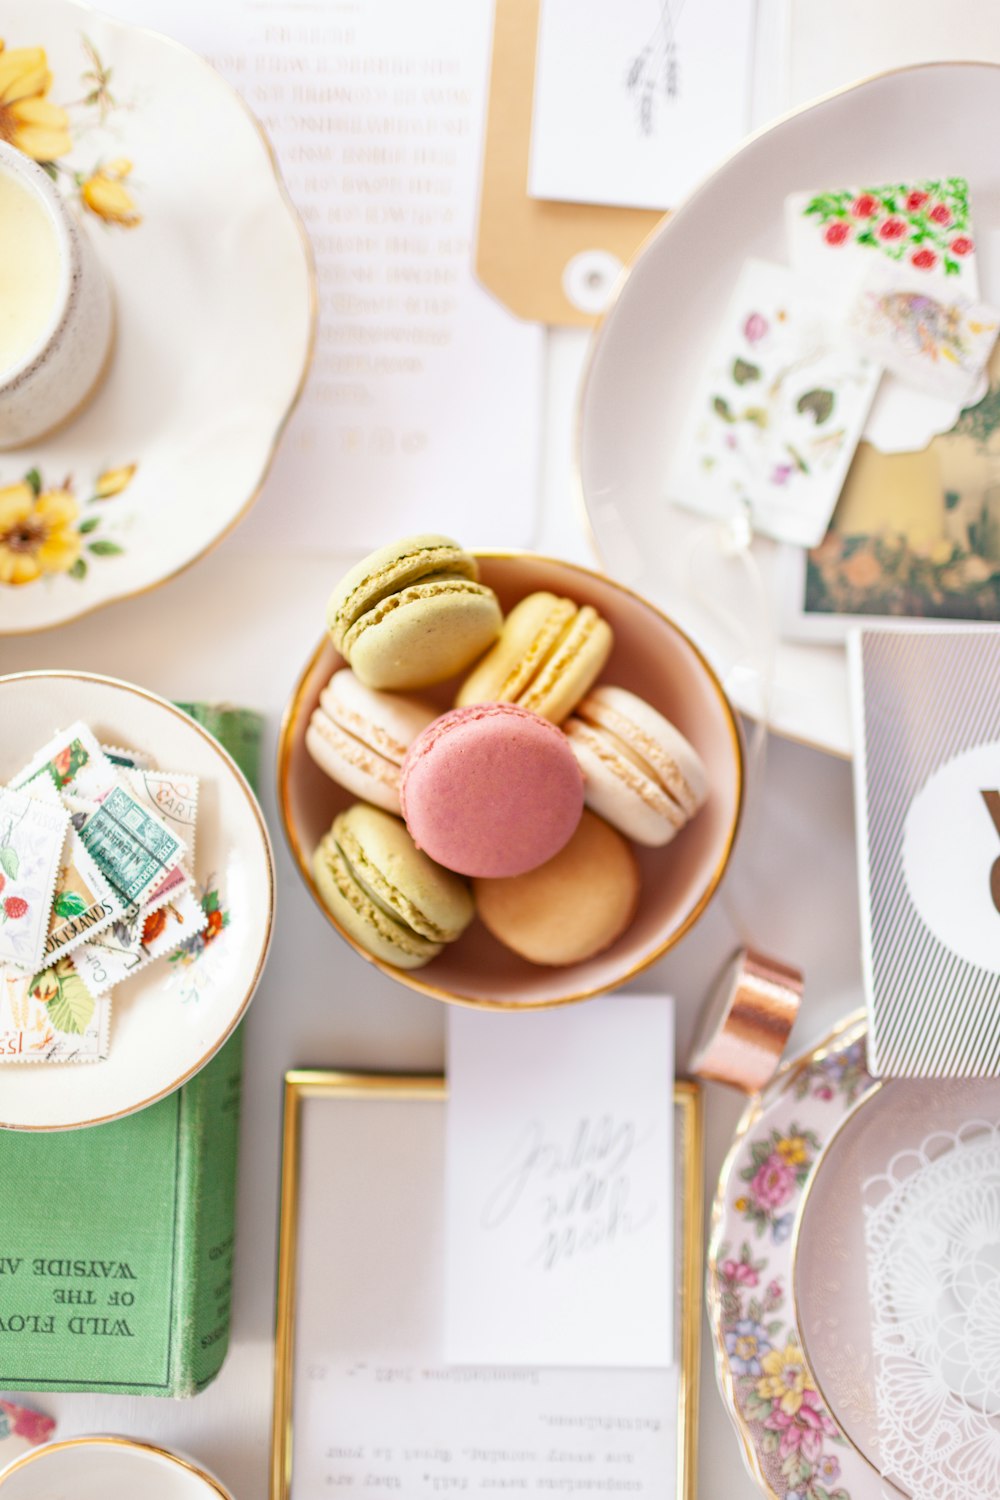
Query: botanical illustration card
{"x": 559, "y": 1209}
{"x": 922, "y": 230}
{"x": 635, "y": 102}
{"x": 778, "y": 412}
{"x": 915, "y": 536}
{"x": 926, "y": 713}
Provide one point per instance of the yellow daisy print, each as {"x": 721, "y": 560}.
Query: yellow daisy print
{"x": 105, "y": 194}
{"x": 28, "y": 120}
{"x": 37, "y": 533}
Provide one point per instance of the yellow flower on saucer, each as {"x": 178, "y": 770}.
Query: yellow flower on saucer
{"x": 37, "y": 534}
{"x": 28, "y": 120}
{"x": 785, "y": 1378}
{"x": 793, "y": 1150}
{"x": 113, "y": 481}
{"x": 105, "y": 194}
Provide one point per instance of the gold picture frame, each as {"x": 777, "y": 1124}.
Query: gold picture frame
{"x": 303, "y": 1086}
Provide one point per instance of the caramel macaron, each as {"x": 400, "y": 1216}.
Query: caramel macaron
{"x": 572, "y": 907}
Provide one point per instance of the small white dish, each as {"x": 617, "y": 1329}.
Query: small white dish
{"x": 107, "y": 1468}
{"x": 171, "y": 1018}
{"x": 914, "y": 122}
{"x": 213, "y": 287}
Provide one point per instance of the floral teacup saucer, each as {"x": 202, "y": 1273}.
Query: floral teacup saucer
{"x": 792, "y": 1444}
{"x": 178, "y": 191}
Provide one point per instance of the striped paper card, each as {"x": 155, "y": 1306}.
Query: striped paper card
{"x": 926, "y": 706}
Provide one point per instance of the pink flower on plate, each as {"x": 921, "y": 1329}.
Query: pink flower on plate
{"x": 773, "y": 1183}
{"x": 804, "y": 1431}
{"x": 740, "y": 1272}
{"x": 774, "y": 1290}
{"x": 755, "y": 327}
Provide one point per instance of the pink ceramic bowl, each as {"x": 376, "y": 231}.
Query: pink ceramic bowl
{"x": 653, "y": 658}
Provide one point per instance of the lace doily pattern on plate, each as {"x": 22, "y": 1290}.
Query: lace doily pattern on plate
{"x": 932, "y": 1237}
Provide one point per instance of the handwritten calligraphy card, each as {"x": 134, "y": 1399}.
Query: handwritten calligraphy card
{"x": 559, "y": 1221}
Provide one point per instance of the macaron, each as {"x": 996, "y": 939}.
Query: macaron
{"x": 359, "y": 736}
{"x": 413, "y": 613}
{"x": 549, "y": 653}
{"x": 491, "y": 790}
{"x": 640, "y": 773}
{"x": 391, "y": 899}
{"x": 571, "y": 908}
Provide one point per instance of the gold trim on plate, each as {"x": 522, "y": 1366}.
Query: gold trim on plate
{"x": 317, "y": 1084}
{"x": 313, "y": 285}
{"x": 254, "y": 806}
{"x": 578, "y": 490}
{"x": 291, "y": 718}
{"x": 109, "y": 1440}
{"x": 850, "y": 1029}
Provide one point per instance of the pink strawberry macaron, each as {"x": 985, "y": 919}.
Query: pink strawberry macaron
{"x": 491, "y": 790}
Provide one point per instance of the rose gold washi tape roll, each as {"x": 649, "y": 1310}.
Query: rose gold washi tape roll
{"x": 746, "y": 1021}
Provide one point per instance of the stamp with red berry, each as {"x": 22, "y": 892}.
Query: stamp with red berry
{"x": 32, "y": 836}
{"x": 74, "y": 762}
{"x": 921, "y": 229}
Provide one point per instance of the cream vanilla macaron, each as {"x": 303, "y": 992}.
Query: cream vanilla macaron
{"x": 359, "y": 736}
{"x": 385, "y": 894}
{"x": 640, "y": 773}
{"x": 413, "y": 613}
{"x": 549, "y": 653}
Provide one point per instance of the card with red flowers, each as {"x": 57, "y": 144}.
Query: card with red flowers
{"x": 923, "y": 230}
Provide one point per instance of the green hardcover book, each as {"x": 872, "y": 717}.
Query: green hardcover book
{"x": 116, "y": 1242}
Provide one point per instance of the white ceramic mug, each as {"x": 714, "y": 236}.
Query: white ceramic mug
{"x": 107, "y": 1468}
{"x": 56, "y": 315}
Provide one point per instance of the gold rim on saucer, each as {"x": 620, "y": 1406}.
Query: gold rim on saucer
{"x": 109, "y": 1440}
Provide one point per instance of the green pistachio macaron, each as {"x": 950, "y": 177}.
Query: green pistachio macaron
{"x": 413, "y": 613}
{"x": 384, "y": 893}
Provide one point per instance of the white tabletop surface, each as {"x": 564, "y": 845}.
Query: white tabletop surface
{"x": 241, "y": 623}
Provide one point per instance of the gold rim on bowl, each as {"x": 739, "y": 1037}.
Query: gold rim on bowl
{"x": 291, "y": 719}
{"x": 254, "y": 806}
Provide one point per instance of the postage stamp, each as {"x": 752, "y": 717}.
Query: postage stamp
{"x": 32, "y": 836}
{"x": 132, "y": 846}
{"x": 75, "y": 762}
{"x": 51, "y": 1017}
{"x": 126, "y": 946}
{"x": 173, "y": 796}
{"x": 127, "y": 760}
{"x": 85, "y": 901}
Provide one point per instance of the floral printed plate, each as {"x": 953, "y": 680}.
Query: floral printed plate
{"x": 792, "y": 1445}
{"x": 177, "y": 189}
{"x": 170, "y": 1018}
{"x": 926, "y": 539}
